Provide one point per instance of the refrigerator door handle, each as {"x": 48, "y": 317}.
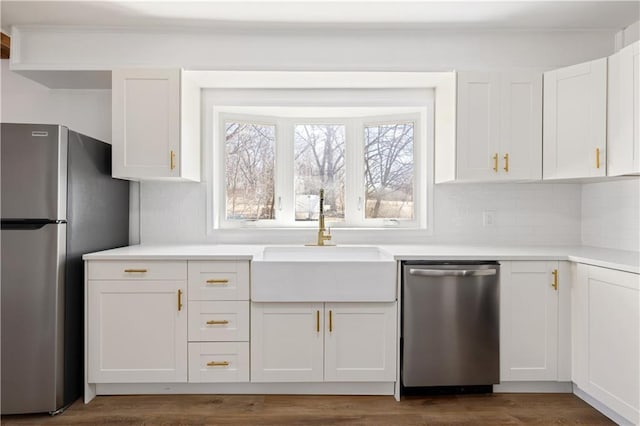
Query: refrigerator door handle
{"x": 28, "y": 224}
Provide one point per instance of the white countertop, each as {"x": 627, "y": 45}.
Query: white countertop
{"x": 628, "y": 261}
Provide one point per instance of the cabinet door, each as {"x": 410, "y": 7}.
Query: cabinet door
{"x": 287, "y": 342}
{"x": 520, "y": 154}
{"x": 609, "y": 347}
{"x": 574, "y": 130}
{"x": 360, "y": 342}
{"x": 623, "y": 146}
{"x": 478, "y": 126}
{"x": 528, "y": 321}
{"x": 146, "y": 123}
{"x": 137, "y": 332}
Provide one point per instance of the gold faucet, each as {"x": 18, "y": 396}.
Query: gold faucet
{"x": 322, "y": 237}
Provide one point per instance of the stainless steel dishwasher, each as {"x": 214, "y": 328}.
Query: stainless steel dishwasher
{"x": 450, "y": 324}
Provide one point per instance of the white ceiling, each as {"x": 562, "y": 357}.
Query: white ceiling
{"x": 593, "y": 15}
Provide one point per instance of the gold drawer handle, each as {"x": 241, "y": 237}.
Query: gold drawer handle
{"x": 179, "y": 299}
{"x": 597, "y": 158}
{"x": 141, "y": 271}
{"x": 218, "y": 364}
{"x": 214, "y": 322}
{"x": 173, "y": 160}
{"x": 218, "y": 282}
{"x": 506, "y": 162}
{"x": 495, "y": 162}
{"x": 555, "y": 279}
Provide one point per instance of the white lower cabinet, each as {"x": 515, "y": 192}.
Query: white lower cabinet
{"x": 286, "y": 342}
{"x": 218, "y": 362}
{"x": 218, "y": 321}
{"x": 314, "y": 342}
{"x": 360, "y": 342}
{"x": 606, "y": 338}
{"x": 142, "y": 327}
{"x": 137, "y": 331}
{"x": 534, "y": 321}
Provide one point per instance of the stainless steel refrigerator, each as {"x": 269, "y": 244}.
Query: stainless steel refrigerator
{"x": 59, "y": 201}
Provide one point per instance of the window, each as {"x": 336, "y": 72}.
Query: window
{"x": 319, "y": 152}
{"x": 388, "y": 171}
{"x": 283, "y": 99}
{"x": 249, "y": 170}
{"x": 371, "y": 166}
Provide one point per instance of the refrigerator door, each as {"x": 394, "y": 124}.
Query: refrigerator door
{"x": 32, "y": 316}
{"x": 33, "y": 171}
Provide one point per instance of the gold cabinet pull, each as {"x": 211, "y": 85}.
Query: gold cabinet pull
{"x": 218, "y": 364}
{"x": 506, "y": 162}
{"x": 597, "y": 158}
{"x": 555, "y": 279}
{"x": 218, "y": 282}
{"x": 217, "y": 322}
{"x": 173, "y": 159}
{"x": 330, "y": 321}
{"x": 179, "y": 300}
{"x": 318, "y": 321}
{"x": 495, "y": 162}
{"x": 141, "y": 271}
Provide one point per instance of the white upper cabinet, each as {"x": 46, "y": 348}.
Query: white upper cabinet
{"x": 156, "y": 125}
{"x": 478, "y": 125}
{"x": 521, "y": 125}
{"x": 623, "y": 146}
{"x": 499, "y": 126}
{"x": 575, "y": 121}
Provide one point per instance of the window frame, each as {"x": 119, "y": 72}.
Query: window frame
{"x": 284, "y": 194}
{"x": 442, "y": 85}
{"x": 421, "y": 187}
{"x": 222, "y": 191}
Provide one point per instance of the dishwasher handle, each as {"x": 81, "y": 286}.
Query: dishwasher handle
{"x": 452, "y": 272}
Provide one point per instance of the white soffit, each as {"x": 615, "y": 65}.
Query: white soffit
{"x": 593, "y": 15}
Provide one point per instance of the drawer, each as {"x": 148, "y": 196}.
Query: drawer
{"x": 218, "y": 321}
{"x": 137, "y": 270}
{"x": 218, "y": 280}
{"x": 218, "y": 362}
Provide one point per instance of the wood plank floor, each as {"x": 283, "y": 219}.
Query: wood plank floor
{"x": 281, "y": 410}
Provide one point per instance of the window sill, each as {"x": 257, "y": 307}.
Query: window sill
{"x": 340, "y": 236}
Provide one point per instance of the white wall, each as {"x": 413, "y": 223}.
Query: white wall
{"x": 535, "y": 214}
{"x": 308, "y": 48}
{"x": 627, "y": 35}
{"x": 525, "y": 213}
{"x": 611, "y": 214}
{"x": 84, "y": 111}
{"x": 611, "y": 210}
{"x": 170, "y": 212}
{"x": 24, "y": 101}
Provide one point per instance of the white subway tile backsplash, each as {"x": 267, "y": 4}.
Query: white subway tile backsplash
{"x": 611, "y": 214}
{"x": 524, "y": 214}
